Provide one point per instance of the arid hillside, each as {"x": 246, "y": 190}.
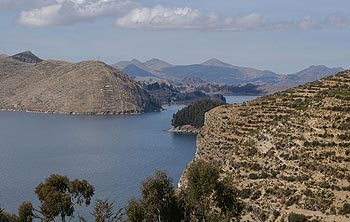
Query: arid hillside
{"x": 288, "y": 152}
{"x": 88, "y": 87}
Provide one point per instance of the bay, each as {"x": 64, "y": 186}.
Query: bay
{"x": 114, "y": 153}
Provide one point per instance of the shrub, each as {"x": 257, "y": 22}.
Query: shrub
{"x": 345, "y": 209}
{"x": 293, "y": 217}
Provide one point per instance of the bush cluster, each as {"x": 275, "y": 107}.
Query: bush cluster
{"x": 194, "y": 114}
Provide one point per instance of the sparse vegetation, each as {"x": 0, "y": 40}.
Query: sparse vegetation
{"x": 293, "y": 217}
{"x": 278, "y": 145}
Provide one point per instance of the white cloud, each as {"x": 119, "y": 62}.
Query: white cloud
{"x": 163, "y": 18}
{"x": 160, "y": 17}
{"x": 66, "y": 12}
{"x": 130, "y": 14}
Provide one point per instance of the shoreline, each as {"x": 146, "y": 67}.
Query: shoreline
{"x": 186, "y": 129}
{"x": 72, "y": 113}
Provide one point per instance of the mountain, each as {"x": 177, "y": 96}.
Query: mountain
{"x": 27, "y": 57}
{"x": 156, "y": 64}
{"x": 87, "y": 87}
{"x": 308, "y": 75}
{"x": 287, "y": 153}
{"x": 215, "y": 62}
{"x": 123, "y": 64}
{"x": 224, "y": 74}
{"x": 214, "y": 70}
{"x": 134, "y": 71}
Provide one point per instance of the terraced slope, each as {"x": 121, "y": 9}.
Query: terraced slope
{"x": 88, "y": 87}
{"x": 287, "y": 152}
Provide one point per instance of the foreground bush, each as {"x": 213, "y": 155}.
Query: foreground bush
{"x": 206, "y": 197}
{"x": 158, "y": 202}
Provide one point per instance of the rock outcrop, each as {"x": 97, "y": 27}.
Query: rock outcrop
{"x": 87, "y": 87}
{"x": 288, "y": 152}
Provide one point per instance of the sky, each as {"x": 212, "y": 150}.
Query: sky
{"x": 283, "y": 36}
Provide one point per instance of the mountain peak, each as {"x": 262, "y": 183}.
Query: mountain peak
{"x": 154, "y": 60}
{"x": 27, "y": 56}
{"x": 215, "y": 62}
{"x": 135, "y": 61}
{"x": 156, "y": 64}
{"x": 321, "y": 68}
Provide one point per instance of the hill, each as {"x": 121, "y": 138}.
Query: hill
{"x": 87, "y": 87}
{"x": 288, "y": 153}
{"x": 310, "y": 74}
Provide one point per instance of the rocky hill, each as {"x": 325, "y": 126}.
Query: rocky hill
{"x": 88, "y": 87}
{"x": 288, "y": 153}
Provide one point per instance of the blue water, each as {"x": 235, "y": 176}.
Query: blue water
{"x": 114, "y": 153}
{"x": 239, "y": 99}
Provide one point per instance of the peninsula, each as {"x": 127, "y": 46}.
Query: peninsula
{"x": 28, "y": 83}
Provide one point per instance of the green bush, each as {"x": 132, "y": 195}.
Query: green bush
{"x": 158, "y": 201}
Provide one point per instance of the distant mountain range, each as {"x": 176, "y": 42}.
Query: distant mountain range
{"x": 215, "y": 70}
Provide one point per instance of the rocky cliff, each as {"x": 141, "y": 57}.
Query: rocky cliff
{"x": 88, "y": 87}
{"x": 288, "y": 152}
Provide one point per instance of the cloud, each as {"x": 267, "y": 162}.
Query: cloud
{"x": 167, "y": 18}
{"x": 8, "y": 4}
{"x": 164, "y": 18}
{"x": 67, "y": 12}
{"x": 338, "y": 21}
{"x": 308, "y": 23}
{"x": 160, "y": 18}
{"x": 133, "y": 15}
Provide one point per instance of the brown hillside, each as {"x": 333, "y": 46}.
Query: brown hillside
{"x": 287, "y": 152}
{"x": 88, "y": 87}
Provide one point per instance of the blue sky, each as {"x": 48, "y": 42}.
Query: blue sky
{"x": 280, "y": 35}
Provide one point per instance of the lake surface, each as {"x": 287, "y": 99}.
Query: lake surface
{"x": 239, "y": 99}
{"x": 114, "y": 153}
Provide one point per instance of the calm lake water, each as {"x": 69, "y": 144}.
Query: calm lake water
{"x": 114, "y": 153}
{"x": 239, "y": 99}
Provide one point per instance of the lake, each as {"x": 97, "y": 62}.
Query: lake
{"x": 114, "y": 153}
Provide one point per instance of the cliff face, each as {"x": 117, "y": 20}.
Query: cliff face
{"x": 88, "y": 87}
{"x": 287, "y": 152}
